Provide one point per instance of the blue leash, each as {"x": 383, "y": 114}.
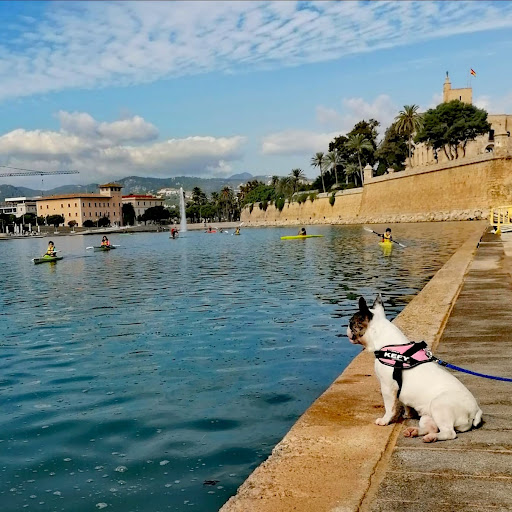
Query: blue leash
{"x": 459, "y": 369}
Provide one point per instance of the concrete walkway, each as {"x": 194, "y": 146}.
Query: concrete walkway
{"x": 474, "y": 471}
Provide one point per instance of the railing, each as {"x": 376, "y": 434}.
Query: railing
{"x": 501, "y": 216}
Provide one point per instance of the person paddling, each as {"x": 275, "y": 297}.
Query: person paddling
{"x": 105, "y": 242}
{"x": 51, "y": 251}
{"x": 302, "y": 232}
{"x": 386, "y": 237}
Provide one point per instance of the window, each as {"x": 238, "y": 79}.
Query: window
{"x": 41, "y": 207}
{"x": 89, "y": 205}
{"x": 138, "y": 203}
{"x": 62, "y": 206}
{"x": 90, "y": 214}
{"x": 144, "y": 203}
{"x": 76, "y": 205}
{"x": 46, "y": 206}
{"x": 69, "y": 206}
{"x": 76, "y": 214}
{"x": 114, "y": 214}
{"x": 491, "y": 135}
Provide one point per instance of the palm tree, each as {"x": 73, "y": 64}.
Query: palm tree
{"x": 409, "y": 121}
{"x": 275, "y": 181}
{"x": 358, "y": 143}
{"x": 351, "y": 170}
{"x": 296, "y": 176}
{"x": 333, "y": 160}
{"x": 318, "y": 161}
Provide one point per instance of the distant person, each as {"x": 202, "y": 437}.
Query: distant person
{"x": 302, "y": 232}
{"x": 209, "y": 229}
{"x": 174, "y": 232}
{"x": 386, "y": 237}
{"x": 105, "y": 242}
{"x": 237, "y": 231}
{"x": 51, "y": 251}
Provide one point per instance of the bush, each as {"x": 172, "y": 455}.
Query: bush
{"x": 332, "y": 199}
{"x": 103, "y": 222}
{"x": 88, "y": 224}
{"x": 312, "y": 197}
{"x": 264, "y": 205}
{"x": 72, "y": 223}
{"x": 302, "y": 198}
{"x": 280, "y": 203}
{"x": 251, "y": 207}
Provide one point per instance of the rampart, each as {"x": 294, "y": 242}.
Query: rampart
{"x": 463, "y": 189}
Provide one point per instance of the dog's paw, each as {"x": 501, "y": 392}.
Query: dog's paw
{"x": 381, "y": 421}
{"x": 411, "y": 432}
{"x": 430, "y": 438}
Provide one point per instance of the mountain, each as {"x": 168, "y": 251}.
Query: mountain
{"x": 243, "y": 176}
{"x": 139, "y": 185}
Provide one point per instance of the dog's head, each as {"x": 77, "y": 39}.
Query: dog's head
{"x": 358, "y": 325}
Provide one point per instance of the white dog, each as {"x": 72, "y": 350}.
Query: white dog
{"x": 443, "y": 403}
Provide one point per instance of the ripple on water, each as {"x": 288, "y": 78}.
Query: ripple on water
{"x": 129, "y": 379}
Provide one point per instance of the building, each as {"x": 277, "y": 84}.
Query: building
{"x": 142, "y": 202}
{"x": 82, "y": 207}
{"x": 19, "y": 206}
{"x": 497, "y": 141}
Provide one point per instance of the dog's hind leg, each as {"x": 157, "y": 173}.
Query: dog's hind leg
{"x": 426, "y": 426}
{"x": 442, "y": 416}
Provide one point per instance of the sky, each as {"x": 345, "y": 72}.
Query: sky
{"x": 212, "y": 88}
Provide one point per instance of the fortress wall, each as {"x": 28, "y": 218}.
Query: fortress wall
{"x": 460, "y": 190}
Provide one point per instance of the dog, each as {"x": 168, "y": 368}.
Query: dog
{"x": 442, "y": 402}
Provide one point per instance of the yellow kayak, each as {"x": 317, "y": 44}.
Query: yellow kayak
{"x": 300, "y": 237}
{"x": 386, "y": 247}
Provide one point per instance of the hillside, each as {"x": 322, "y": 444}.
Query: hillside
{"x": 138, "y": 185}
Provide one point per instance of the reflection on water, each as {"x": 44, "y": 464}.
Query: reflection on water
{"x": 130, "y": 378}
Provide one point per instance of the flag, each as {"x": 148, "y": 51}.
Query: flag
{"x": 472, "y": 71}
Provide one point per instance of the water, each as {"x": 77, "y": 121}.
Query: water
{"x": 183, "y": 215}
{"x": 129, "y": 378}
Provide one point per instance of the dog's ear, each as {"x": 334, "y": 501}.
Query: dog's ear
{"x": 378, "y": 302}
{"x": 363, "y": 307}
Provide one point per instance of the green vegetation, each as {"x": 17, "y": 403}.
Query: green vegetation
{"x": 409, "y": 121}
{"x": 128, "y": 214}
{"x": 312, "y": 196}
{"x": 54, "y": 220}
{"x": 280, "y": 203}
{"x": 450, "y": 126}
{"x": 332, "y": 199}
{"x": 88, "y": 223}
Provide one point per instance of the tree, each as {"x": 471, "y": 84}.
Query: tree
{"x": 409, "y": 121}
{"x": 359, "y": 143}
{"x": 392, "y": 151}
{"x": 296, "y": 176}
{"x": 450, "y": 126}
{"x": 198, "y": 196}
{"x": 332, "y": 160}
{"x": 103, "y": 222}
{"x": 318, "y": 161}
{"x": 55, "y": 220}
{"x": 128, "y": 214}
{"x": 72, "y": 223}
{"x": 157, "y": 214}
{"x": 88, "y": 223}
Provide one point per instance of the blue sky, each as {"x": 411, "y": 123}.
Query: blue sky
{"x": 215, "y": 88}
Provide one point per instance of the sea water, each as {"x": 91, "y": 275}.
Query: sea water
{"x": 158, "y": 375}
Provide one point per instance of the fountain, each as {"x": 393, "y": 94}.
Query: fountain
{"x": 183, "y": 217}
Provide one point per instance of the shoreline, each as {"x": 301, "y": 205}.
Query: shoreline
{"x": 334, "y": 456}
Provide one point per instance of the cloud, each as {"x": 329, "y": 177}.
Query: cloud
{"x": 296, "y": 142}
{"x": 293, "y": 142}
{"x": 100, "y": 149}
{"x": 97, "y": 44}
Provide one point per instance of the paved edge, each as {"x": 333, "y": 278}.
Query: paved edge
{"x": 334, "y": 457}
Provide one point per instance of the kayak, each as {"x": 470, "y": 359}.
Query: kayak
{"x": 300, "y": 237}
{"x": 212, "y": 231}
{"x": 386, "y": 247}
{"x": 47, "y": 259}
{"x": 104, "y": 248}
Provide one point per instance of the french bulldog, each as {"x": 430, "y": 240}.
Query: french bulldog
{"x": 442, "y": 402}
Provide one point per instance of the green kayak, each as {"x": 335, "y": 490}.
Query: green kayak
{"x": 104, "y": 248}
{"x": 47, "y": 259}
{"x": 300, "y": 237}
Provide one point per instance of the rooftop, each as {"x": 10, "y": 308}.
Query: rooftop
{"x": 108, "y": 185}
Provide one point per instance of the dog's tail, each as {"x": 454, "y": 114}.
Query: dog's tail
{"x": 478, "y": 418}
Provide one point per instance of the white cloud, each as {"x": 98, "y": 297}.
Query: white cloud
{"x": 292, "y": 142}
{"x": 99, "y": 150}
{"x": 96, "y": 44}
{"x": 296, "y": 142}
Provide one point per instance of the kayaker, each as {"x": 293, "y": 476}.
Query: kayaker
{"x": 237, "y": 231}
{"x": 51, "y": 251}
{"x": 174, "y": 232}
{"x": 302, "y": 232}
{"x": 386, "y": 237}
{"x": 105, "y": 242}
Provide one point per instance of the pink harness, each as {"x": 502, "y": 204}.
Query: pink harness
{"x": 403, "y": 357}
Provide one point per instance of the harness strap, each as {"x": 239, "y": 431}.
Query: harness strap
{"x": 397, "y": 370}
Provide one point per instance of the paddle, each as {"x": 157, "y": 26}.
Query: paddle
{"x": 378, "y": 234}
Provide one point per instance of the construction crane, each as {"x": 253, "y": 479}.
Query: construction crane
{"x": 31, "y": 172}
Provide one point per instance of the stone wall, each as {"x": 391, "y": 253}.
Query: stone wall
{"x": 457, "y": 190}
